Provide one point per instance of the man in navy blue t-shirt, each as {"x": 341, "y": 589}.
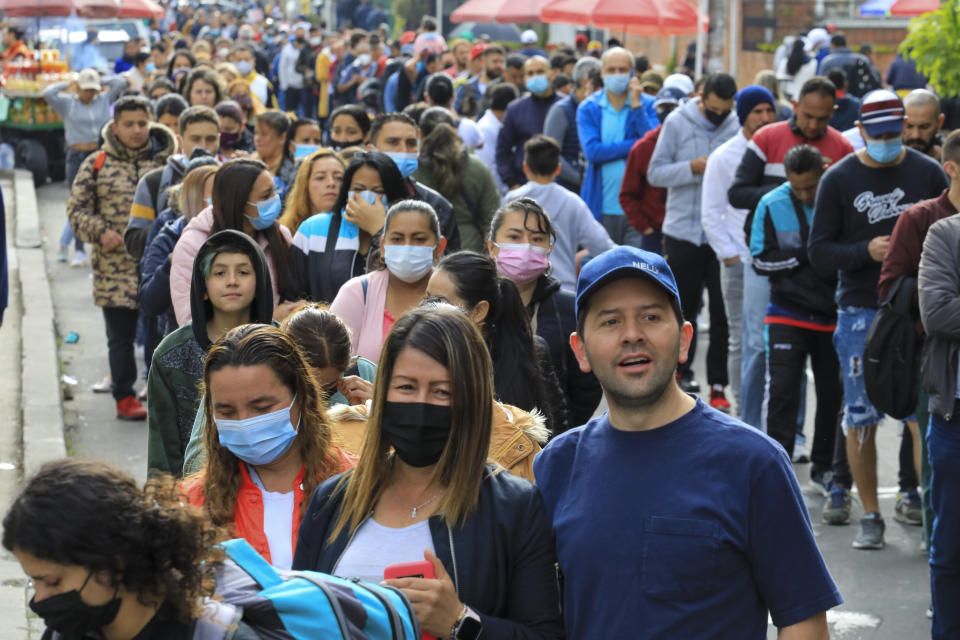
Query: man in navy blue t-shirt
{"x": 672, "y": 520}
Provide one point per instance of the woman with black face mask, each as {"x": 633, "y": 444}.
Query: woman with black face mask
{"x": 349, "y": 127}
{"x": 109, "y": 560}
{"x": 423, "y": 491}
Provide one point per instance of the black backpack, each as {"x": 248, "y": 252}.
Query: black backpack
{"x": 891, "y": 362}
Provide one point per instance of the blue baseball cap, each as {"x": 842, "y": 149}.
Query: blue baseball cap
{"x": 624, "y": 262}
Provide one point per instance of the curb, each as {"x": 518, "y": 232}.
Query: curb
{"x": 43, "y": 437}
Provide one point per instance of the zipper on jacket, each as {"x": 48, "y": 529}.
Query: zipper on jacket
{"x": 453, "y": 555}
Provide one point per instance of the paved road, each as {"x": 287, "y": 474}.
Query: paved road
{"x": 886, "y": 592}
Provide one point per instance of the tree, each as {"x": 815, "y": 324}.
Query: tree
{"x": 932, "y": 43}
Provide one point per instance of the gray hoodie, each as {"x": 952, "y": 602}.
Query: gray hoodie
{"x": 685, "y": 136}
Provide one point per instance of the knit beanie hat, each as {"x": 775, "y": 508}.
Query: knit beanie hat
{"x": 749, "y": 97}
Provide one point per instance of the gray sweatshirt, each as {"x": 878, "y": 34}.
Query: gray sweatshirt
{"x": 574, "y": 224}
{"x": 685, "y": 136}
{"x": 83, "y": 122}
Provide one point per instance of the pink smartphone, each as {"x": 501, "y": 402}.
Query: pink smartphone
{"x": 419, "y": 569}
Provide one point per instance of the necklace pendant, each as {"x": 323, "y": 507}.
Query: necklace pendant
{"x": 413, "y": 514}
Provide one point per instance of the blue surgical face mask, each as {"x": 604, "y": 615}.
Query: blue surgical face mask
{"x": 261, "y": 439}
{"x": 244, "y": 67}
{"x": 616, "y": 83}
{"x": 269, "y": 211}
{"x": 370, "y": 196}
{"x": 151, "y": 66}
{"x": 537, "y": 84}
{"x": 410, "y": 263}
{"x": 406, "y": 162}
{"x": 303, "y": 150}
{"x": 884, "y": 151}
{"x": 209, "y": 201}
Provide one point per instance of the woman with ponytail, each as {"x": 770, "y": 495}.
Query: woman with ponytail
{"x": 523, "y": 375}
{"x": 446, "y": 166}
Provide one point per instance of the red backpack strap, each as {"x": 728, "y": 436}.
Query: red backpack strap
{"x": 98, "y": 163}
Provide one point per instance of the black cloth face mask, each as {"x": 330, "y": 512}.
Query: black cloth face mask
{"x": 340, "y": 146}
{"x": 69, "y": 615}
{"x": 418, "y": 431}
{"x": 716, "y": 119}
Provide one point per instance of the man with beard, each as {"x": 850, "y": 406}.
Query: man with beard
{"x": 670, "y": 534}
{"x": 474, "y": 89}
{"x": 922, "y": 127}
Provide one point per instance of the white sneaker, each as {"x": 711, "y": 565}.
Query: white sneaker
{"x": 79, "y": 258}
{"x": 104, "y": 386}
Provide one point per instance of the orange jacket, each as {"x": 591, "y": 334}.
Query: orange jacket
{"x": 248, "y": 512}
{"x": 18, "y": 48}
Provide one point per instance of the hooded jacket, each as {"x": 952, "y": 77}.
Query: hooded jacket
{"x": 177, "y": 366}
{"x": 181, "y": 262}
{"x": 101, "y": 201}
{"x": 553, "y": 317}
{"x": 685, "y": 136}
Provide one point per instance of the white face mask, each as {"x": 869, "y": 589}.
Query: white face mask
{"x": 314, "y": 42}
{"x": 363, "y": 59}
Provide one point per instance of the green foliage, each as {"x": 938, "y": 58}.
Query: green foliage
{"x": 932, "y": 43}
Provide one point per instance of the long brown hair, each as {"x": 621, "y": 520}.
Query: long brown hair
{"x": 191, "y": 192}
{"x": 298, "y": 207}
{"x": 247, "y": 346}
{"x": 447, "y": 335}
{"x": 231, "y": 191}
{"x": 442, "y": 154}
{"x": 323, "y": 337}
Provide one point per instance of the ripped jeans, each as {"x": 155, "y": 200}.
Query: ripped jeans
{"x": 853, "y": 323}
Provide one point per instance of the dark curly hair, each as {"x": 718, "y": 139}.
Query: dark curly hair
{"x": 91, "y": 514}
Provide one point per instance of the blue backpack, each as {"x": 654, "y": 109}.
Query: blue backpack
{"x": 303, "y": 605}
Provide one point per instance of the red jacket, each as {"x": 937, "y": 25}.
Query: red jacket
{"x": 643, "y": 204}
{"x": 248, "y": 512}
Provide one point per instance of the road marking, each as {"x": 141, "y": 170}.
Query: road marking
{"x": 844, "y": 622}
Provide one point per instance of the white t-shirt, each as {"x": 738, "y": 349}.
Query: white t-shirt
{"x": 375, "y": 547}
{"x": 277, "y": 523}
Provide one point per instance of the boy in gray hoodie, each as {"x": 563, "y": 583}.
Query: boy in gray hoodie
{"x": 688, "y": 136}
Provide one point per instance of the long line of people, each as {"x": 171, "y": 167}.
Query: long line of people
{"x": 488, "y": 249}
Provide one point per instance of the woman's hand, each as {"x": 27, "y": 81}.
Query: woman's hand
{"x": 355, "y": 389}
{"x": 369, "y": 217}
{"x": 282, "y": 310}
{"x": 434, "y": 600}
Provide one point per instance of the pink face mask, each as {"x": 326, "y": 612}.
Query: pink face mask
{"x": 522, "y": 263}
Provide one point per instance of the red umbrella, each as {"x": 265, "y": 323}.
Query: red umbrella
{"x": 641, "y": 17}
{"x": 498, "y": 11}
{"x": 54, "y": 8}
{"x": 141, "y": 9}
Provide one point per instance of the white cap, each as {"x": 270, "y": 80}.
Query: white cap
{"x": 528, "y": 37}
{"x": 680, "y": 81}
{"x": 88, "y": 79}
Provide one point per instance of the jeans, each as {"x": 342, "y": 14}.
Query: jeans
{"x": 695, "y": 267}
{"x": 853, "y": 323}
{"x": 291, "y": 101}
{"x": 621, "y": 231}
{"x": 121, "y": 324}
{"x": 731, "y": 282}
{"x": 943, "y": 448}
{"x": 309, "y": 102}
{"x": 787, "y": 351}
{"x": 753, "y": 360}
{"x": 653, "y": 242}
{"x": 73, "y": 161}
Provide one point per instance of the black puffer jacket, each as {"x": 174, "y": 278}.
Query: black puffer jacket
{"x": 501, "y": 560}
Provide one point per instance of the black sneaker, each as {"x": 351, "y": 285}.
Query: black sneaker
{"x": 870, "y": 535}
{"x": 689, "y": 385}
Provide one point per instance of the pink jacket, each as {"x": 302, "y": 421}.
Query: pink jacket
{"x": 181, "y": 263}
{"x": 365, "y": 318}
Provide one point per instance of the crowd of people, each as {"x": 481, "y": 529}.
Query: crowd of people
{"x": 384, "y": 286}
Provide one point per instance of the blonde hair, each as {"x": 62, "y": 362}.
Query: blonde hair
{"x": 298, "y": 207}
{"x": 447, "y": 335}
{"x": 191, "y": 200}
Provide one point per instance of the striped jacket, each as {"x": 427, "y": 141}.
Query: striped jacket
{"x": 761, "y": 168}
{"x": 778, "y": 244}
{"x": 325, "y": 254}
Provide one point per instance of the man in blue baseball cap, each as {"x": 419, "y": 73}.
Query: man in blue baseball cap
{"x": 672, "y": 519}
